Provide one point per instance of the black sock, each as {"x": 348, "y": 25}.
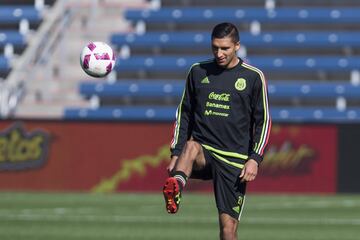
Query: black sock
{"x": 181, "y": 178}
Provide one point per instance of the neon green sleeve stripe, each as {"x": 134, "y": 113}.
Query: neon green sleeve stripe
{"x": 265, "y": 127}
{"x": 265, "y": 114}
{"x": 224, "y": 153}
{"x": 178, "y": 114}
{"x": 238, "y": 165}
{"x": 178, "y": 117}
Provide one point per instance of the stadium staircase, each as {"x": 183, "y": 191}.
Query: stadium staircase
{"x": 18, "y": 21}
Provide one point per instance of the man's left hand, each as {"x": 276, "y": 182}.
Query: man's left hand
{"x": 249, "y": 171}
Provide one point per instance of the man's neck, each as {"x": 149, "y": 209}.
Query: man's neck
{"x": 233, "y": 63}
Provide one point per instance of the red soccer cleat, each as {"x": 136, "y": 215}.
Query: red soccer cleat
{"x": 172, "y": 195}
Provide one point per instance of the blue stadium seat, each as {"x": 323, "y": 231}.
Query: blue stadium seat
{"x": 313, "y": 90}
{"x": 152, "y": 113}
{"x": 132, "y": 113}
{"x": 284, "y": 15}
{"x": 12, "y": 37}
{"x": 266, "y": 63}
{"x": 13, "y": 14}
{"x": 4, "y": 64}
{"x": 174, "y": 88}
{"x": 140, "y": 88}
{"x": 313, "y": 114}
{"x": 277, "y": 32}
{"x": 263, "y": 40}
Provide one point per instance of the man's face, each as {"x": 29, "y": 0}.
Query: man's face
{"x": 224, "y": 50}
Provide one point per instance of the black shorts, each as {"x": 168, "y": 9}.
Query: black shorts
{"x": 228, "y": 189}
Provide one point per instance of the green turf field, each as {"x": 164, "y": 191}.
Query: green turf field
{"x": 142, "y": 216}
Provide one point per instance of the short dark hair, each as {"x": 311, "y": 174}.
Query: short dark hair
{"x": 225, "y": 29}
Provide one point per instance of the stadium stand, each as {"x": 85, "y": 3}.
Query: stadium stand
{"x": 174, "y": 88}
{"x": 11, "y": 42}
{"x": 285, "y": 64}
{"x": 14, "y": 14}
{"x": 19, "y": 21}
{"x": 12, "y": 37}
{"x": 309, "y": 51}
{"x": 4, "y": 66}
{"x": 118, "y": 95}
{"x": 262, "y": 40}
{"x": 295, "y": 15}
{"x": 40, "y": 41}
{"x": 164, "y": 113}
{"x": 15, "y": 22}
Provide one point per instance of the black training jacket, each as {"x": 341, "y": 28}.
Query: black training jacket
{"x": 225, "y": 110}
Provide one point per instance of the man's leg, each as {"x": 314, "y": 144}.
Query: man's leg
{"x": 229, "y": 194}
{"x": 228, "y": 227}
{"x": 191, "y": 157}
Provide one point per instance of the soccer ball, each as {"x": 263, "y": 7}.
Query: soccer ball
{"x": 97, "y": 59}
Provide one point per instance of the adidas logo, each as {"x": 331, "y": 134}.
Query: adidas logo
{"x": 236, "y": 209}
{"x": 205, "y": 80}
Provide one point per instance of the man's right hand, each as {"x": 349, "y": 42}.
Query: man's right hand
{"x": 172, "y": 164}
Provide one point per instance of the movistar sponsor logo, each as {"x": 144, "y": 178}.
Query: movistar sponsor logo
{"x": 208, "y": 112}
{"x": 205, "y": 80}
{"x": 213, "y": 113}
{"x": 220, "y": 96}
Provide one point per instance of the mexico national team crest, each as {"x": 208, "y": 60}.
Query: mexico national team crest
{"x": 240, "y": 84}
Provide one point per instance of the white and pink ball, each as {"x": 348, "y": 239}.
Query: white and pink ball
{"x": 97, "y": 59}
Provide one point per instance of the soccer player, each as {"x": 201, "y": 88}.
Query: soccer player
{"x": 222, "y": 128}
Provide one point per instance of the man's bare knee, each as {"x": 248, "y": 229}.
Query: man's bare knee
{"x": 228, "y": 233}
{"x": 228, "y": 227}
{"x": 191, "y": 155}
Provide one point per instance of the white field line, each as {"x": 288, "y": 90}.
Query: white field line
{"x": 310, "y": 204}
{"x": 173, "y": 219}
{"x": 291, "y": 204}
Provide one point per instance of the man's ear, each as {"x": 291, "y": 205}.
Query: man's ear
{"x": 237, "y": 46}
